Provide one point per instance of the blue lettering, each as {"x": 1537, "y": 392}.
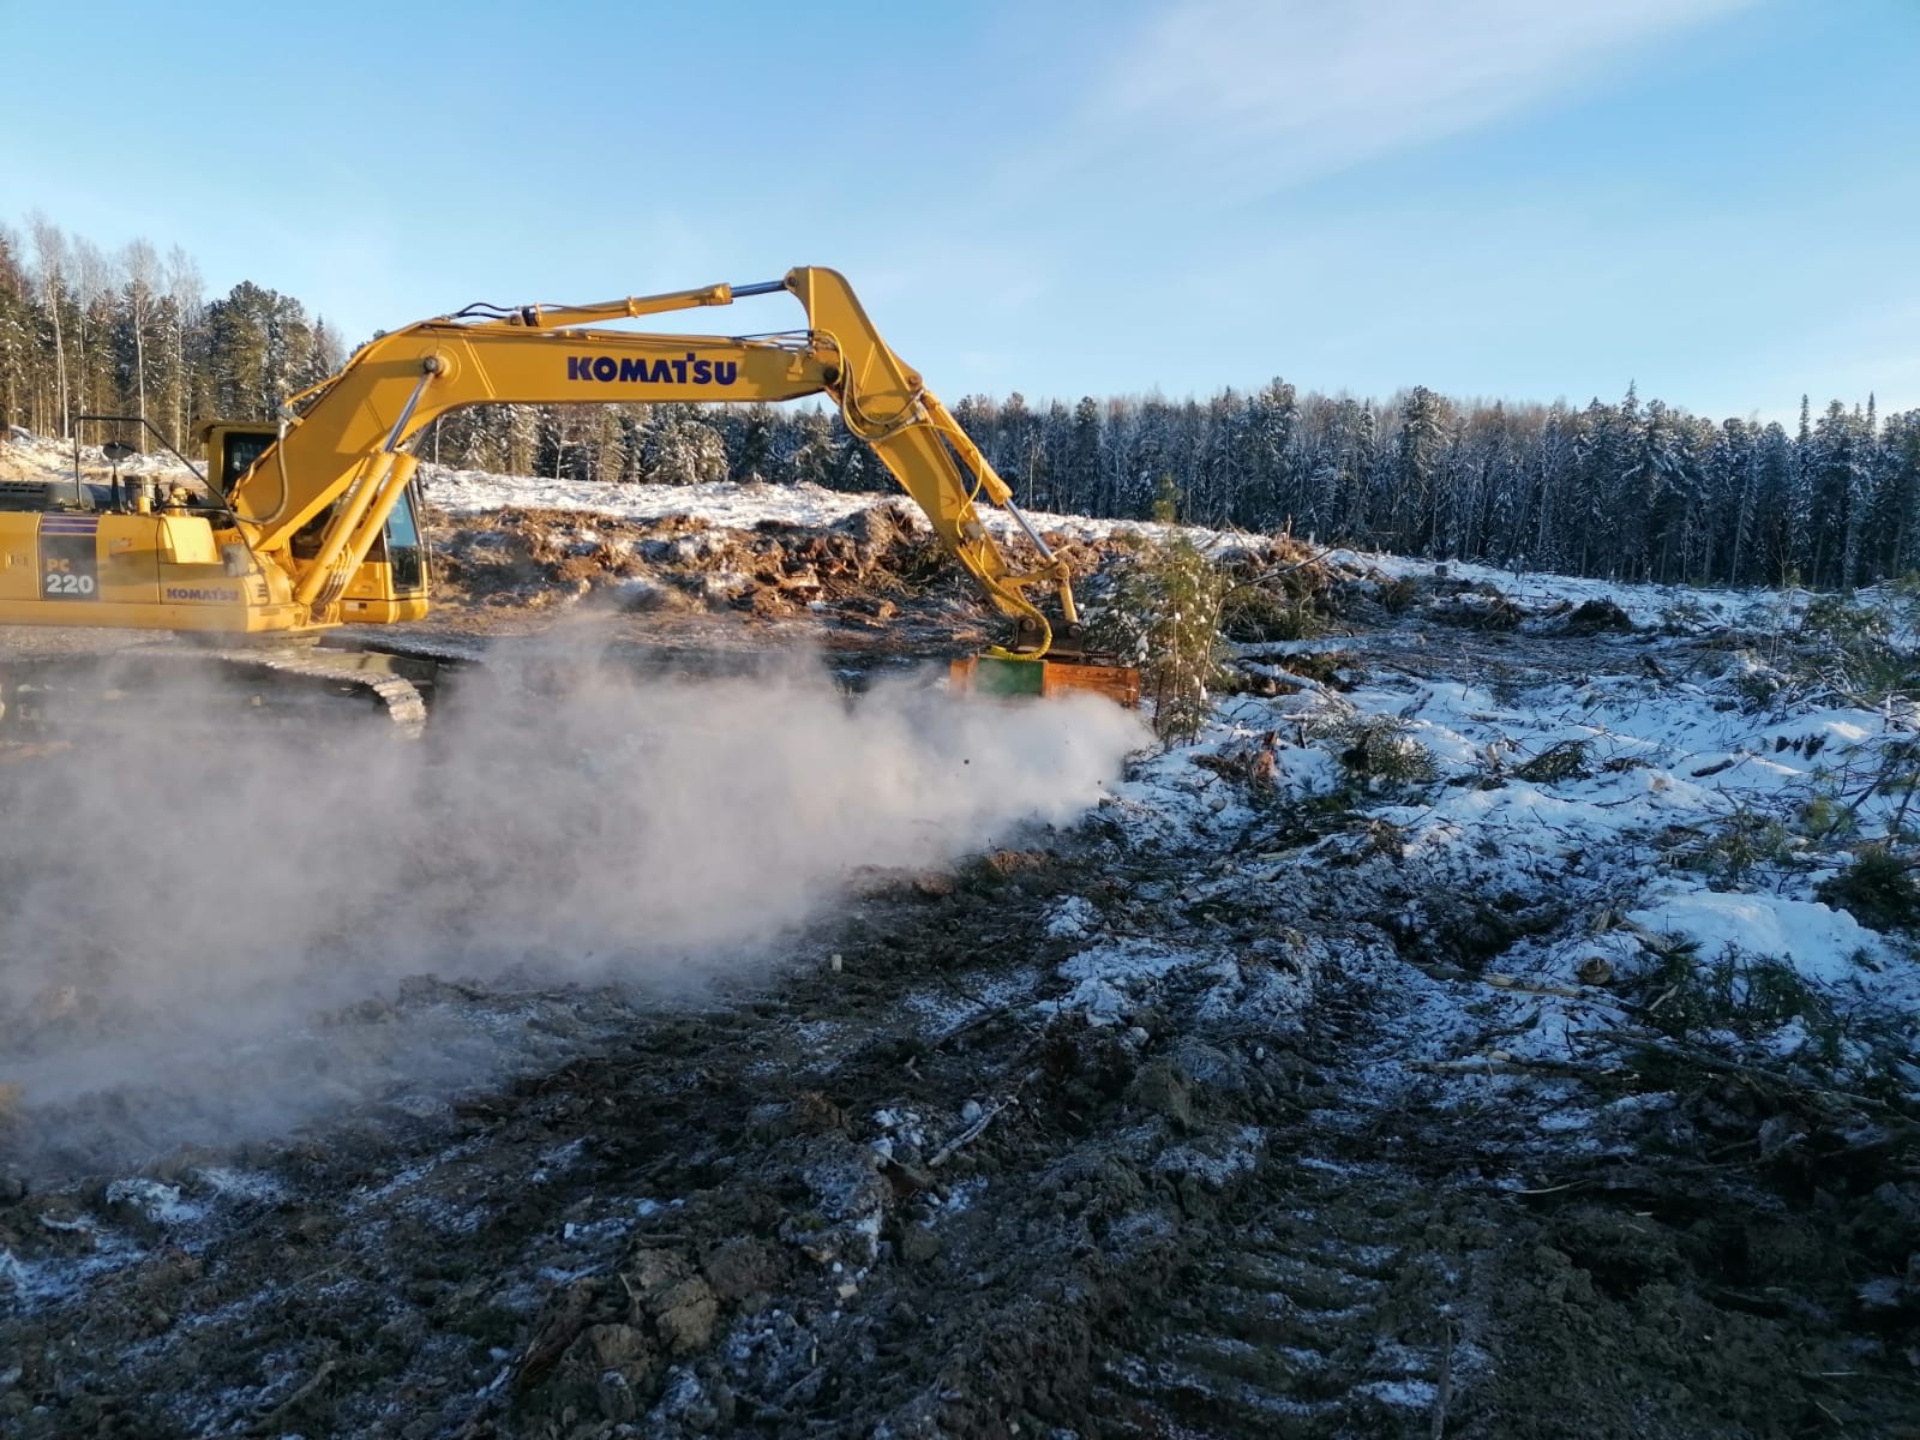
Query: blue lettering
{"x": 689, "y": 370}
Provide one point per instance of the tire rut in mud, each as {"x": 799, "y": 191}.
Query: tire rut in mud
{"x": 1319, "y": 1304}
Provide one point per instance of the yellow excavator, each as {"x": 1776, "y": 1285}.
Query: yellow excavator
{"x": 311, "y": 524}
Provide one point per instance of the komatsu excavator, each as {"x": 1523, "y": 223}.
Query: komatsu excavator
{"x": 311, "y": 523}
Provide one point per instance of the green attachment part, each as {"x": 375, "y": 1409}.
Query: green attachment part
{"x": 994, "y": 675}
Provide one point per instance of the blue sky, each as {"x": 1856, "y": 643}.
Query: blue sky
{"x": 1528, "y": 199}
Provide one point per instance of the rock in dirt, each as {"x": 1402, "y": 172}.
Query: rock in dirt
{"x": 667, "y": 1292}
{"x": 1595, "y": 970}
{"x": 741, "y": 1267}
{"x": 919, "y": 1244}
{"x": 1161, "y": 1088}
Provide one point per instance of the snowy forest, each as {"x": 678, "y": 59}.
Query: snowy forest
{"x": 1631, "y": 489}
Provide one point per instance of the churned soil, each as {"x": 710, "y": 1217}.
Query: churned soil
{"x": 926, "y": 1177}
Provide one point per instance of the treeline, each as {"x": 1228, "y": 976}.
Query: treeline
{"x": 1634, "y": 490}
{"x": 84, "y": 331}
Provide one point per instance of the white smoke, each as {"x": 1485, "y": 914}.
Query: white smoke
{"x": 171, "y": 907}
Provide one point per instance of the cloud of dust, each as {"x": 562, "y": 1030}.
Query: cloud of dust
{"x": 176, "y": 911}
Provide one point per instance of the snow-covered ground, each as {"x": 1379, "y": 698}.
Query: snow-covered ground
{"x": 1646, "y": 829}
{"x": 1522, "y": 852}
{"x": 1662, "y": 759}
{"x": 1659, "y": 764}
{"x": 55, "y": 459}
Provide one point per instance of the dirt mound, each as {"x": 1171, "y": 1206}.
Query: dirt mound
{"x": 530, "y": 558}
{"x": 1594, "y": 617}
{"x": 1476, "y": 606}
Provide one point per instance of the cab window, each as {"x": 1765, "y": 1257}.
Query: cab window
{"x": 243, "y": 448}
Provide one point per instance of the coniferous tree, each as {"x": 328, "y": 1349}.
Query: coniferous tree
{"x": 18, "y": 325}
{"x": 50, "y": 255}
{"x": 1419, "y": 453}
{"x": 141, "y": 266}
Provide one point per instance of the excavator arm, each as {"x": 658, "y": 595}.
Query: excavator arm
{"x": 345, "y": 455}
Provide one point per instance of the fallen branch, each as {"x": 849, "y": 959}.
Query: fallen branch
{"x": 968, "y": 1135}
{"x": 1707, "y": 1060}
{"x": 1536, "y": 987}
{"x": 1443, "y": 1390}
{"x": 270, "y": 1422}
{"x": 1504, "y": 1064}
{"x": 972, "y": 1132}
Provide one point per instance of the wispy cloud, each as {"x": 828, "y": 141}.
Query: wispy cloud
{"x": 1254, "y": 95}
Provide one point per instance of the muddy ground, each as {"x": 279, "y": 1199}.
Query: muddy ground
{"x": 911, "y": 1183}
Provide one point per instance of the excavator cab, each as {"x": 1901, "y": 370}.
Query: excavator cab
{"x": 231, "y": 451}
{"x": 390, "y": 585}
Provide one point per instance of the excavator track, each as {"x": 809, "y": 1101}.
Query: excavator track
{"x": 167, "y": 690}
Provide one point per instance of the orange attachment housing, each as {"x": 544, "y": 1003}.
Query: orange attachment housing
{"x": 1045, "y": 679}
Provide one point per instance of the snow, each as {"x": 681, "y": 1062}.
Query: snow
{"x": 1622, "y": 850}
{"x": 729, "y": 505}
{"x": 943, "y": 1016}
{"x": 158, "y": 1203}
{"x": 1648, "y": 606}
{"x": 231, "y": 1184}
{"x": 1111, "y": 980}
{"x": 1403, "y": 1394}
{"x": 1072, "y": 919}
{"x": 467, "y": 492}
{"x": 1215, "y": 1165}
{"x": 55, "y": 458}
{"x": 1681, "y": 609}
{"x": 595, "y": 1232}
{"x": 1124, "y": 962}
{"x": 1826, "y": 946}
{"x": 37, "y": 1283}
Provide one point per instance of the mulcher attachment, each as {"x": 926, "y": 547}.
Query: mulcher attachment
{"x": 1011, "y": 676}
